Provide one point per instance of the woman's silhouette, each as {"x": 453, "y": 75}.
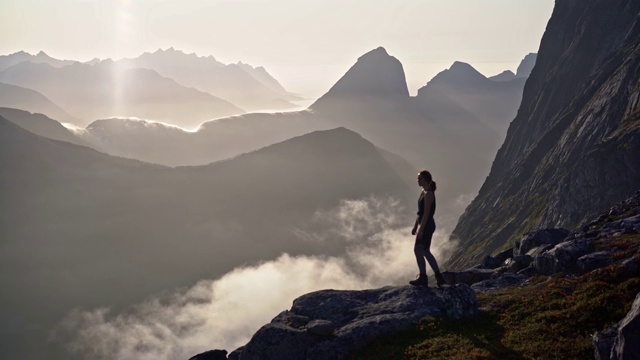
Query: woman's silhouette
{"x": 424, "y": 228}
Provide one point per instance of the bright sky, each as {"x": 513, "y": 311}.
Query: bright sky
{"x": 305, "y": 44}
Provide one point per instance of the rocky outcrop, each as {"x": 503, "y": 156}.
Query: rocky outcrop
{"x": 572, "y": 148}
{"x": 331, "y": 324}
{"x": 211, "y": 355}
{"x": 620, "y": 341}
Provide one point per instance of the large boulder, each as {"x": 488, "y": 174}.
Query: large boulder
{"x": 331, "y": 324}
{"x": 562, "y": 258}
{"x": 594, "y": 261}
{"x": 538, "y": 238}
{"x": 492, "y": 262}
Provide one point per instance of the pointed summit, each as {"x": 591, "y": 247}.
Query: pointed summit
{"x": 43, "y": 55}
{"x": 375, "y": 74}
{"x": 460, "y": 73}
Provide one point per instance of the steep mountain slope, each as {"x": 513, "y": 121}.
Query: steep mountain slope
{"x": 26, "y": 99}
{"x": 573, "y": 147}
{"x": 98, "y": 230}
{"x": 241, "y": 84}
{"x": 104, "y": 90}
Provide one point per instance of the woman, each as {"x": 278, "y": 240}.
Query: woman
{"x": 424, "y": 228}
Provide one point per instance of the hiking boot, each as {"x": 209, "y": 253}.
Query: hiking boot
{"x": 421, "y": 280}
{"x": 440, "y": 279}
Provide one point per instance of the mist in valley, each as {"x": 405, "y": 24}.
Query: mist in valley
{"x": 225, "y": 312}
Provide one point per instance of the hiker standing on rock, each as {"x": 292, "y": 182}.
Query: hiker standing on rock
{"x": 424, "y": 228}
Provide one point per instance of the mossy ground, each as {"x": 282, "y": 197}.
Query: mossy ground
{"x": 549, "y": 318}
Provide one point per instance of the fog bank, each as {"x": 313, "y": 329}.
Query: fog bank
{"x": 224, "y": 313}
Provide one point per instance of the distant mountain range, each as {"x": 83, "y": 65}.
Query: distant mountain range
{"x": 453, "y": 126}
{"x": 106, "y": 89}
{"x": 7, "y": 61}
{"x": 250, "y": 88}
{"x": 182, "y": 89}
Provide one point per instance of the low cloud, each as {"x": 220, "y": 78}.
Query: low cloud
{"x": 224, "y": 313}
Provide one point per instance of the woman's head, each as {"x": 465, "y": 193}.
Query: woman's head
{"x": 425, "y": 179}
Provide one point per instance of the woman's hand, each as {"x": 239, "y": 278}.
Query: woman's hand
{"x": 413, "y": 231}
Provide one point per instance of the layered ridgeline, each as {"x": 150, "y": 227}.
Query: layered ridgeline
{"x": 453, "y": 126}
{"x": 105, "y": 89}
{"x": 573, "y": 148}
{"x": 167, "y": 85}
{"x": 97, "y": 230}
{"x": 7, "y": 61}
{"x": 250, "y": 88}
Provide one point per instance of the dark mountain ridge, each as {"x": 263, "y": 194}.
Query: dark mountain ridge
{"x": 573, "y": 147}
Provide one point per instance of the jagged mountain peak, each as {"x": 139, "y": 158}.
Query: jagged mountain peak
{"x": 375, "y": 74}
{"x": 526, "y": 65}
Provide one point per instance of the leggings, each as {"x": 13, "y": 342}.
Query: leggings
{"x": 422, "y": 251}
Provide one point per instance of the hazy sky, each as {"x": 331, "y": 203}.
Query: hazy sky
{"x": 306, "y": 44}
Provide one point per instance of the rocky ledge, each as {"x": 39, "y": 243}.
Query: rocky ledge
{"x": 331, "y": 324}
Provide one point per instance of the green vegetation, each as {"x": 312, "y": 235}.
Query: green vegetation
{"x": 549, "y": 318}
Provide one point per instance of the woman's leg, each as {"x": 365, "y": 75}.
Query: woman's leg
{"x": 430, "y": 258}
{"x": 422, "y": 280}
{"x": 418, "y": 250}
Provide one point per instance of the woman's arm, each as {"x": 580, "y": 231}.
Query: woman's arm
{"x": 415, "y": 226}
